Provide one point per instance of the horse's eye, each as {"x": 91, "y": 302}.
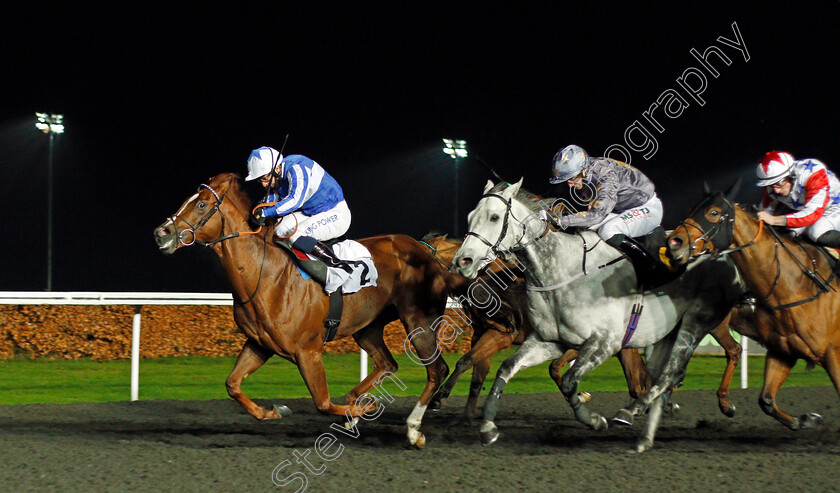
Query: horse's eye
{"x": 714, "y": 213}
{"x": 202, "y": 205}
{"x": 494, "y": 218}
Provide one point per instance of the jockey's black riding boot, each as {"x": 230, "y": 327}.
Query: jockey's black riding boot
{"x": 328, "y": 257}
{"x": 650, "y": 271}
{"x": 830, "y": 239}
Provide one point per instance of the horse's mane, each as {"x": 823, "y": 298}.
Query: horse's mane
{"x": 235, "y": 191}
{"x": 433, "y": 234}
{"x": 533, "y": 202}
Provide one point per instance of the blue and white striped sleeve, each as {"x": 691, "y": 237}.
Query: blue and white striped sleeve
{"x": 298, "y": 180}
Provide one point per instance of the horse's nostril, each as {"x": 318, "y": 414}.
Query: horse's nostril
{"x": 465, "y": 261}
{"x": 163, "y": 232}
{"x": 676, "y": 242}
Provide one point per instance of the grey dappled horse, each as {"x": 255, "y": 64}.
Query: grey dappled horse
{"x": 581, "y": 294}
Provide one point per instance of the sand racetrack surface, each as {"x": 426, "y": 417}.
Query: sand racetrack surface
{"x": 214, "y": 445}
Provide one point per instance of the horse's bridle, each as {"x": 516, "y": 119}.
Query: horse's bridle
{"x": 222, "y": 237}
{"x": 728, "y": 217}
{"x": 193, "y": 228}
{"x": 709, "y": 230}
{"x": 494, "y": 247}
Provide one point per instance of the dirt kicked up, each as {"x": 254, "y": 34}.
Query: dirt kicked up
{"x": 199, "y": 446}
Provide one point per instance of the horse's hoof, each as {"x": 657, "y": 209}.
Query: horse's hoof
{"x": 728, "y": 411}
{"x": 421, "y": 441}
{"x": 623, "y": 417}
{"x": 489, "y": 434}
{"x": 601, "y": 424}
{"x": 808, "y": 421}
{"x": 435, "y": 405}
{"x": 584, "y": 397}
{"x": 349, "y": 425}
{"x": 643, "y": 446}
{"x": 282, "y": 410}
{"x": 673, "y": 409}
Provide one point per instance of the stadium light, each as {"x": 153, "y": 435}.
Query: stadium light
{"x": 457, "y": 150}
{"x": 51, "y": 124}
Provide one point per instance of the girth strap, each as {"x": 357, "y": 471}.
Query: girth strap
{"x": 334, "y": 315}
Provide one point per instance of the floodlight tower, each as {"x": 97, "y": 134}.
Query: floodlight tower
{"x": 457, "y": 150}
{"x": 51, "y": 124}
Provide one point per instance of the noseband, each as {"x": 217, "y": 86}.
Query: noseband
{"x": 495, "y": 247}
{"x": 709, "y": 230}
{"x": 193, "y": 228}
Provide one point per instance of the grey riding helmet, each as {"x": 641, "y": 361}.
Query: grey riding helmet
{"x": 568, "y": 163}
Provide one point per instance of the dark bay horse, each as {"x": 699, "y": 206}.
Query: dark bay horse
{"x": 797, "y": 310}
{"x": 508, "y": 326}
{"x": 283, "y": 314}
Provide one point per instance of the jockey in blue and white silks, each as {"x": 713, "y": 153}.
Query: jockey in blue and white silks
{"x": 803, "y": 195}
{"x": 308, "y": 201}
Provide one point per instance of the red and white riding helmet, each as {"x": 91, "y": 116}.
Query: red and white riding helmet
{"x": 775, "y": 166}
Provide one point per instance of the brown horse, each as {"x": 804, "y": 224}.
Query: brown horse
{"x": 283, "y": 314}
{"x": 510, "y": 326}
{"x": 796, "y": 311}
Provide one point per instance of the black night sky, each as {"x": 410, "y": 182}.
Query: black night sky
{"x": 158, "y": 98}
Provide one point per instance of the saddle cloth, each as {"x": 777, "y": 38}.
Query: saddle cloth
{"x": 358, "y": 257}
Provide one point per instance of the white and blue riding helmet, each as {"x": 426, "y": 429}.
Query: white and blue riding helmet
{"x": 568, "y": 163}
{"x": 262, "y": 161}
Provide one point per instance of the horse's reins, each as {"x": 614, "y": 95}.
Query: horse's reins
{"x": 494, "y": 247}
{"x": 222, "y": 237}
{"x": 823, "y": 285}
{"x": 434, "y": 254}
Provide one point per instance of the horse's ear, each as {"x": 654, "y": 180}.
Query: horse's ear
{"x": 706, "y": 189}
{"x": 488, "y": 186}
{"x": 733, "y": 189}
{"x": 511, "y": 190}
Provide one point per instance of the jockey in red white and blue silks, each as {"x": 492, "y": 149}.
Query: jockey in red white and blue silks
{"x": 309, "y": 201}
{"x": 802, "y": 195}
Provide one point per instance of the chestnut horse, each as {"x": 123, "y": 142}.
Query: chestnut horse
{"x": 282, "y": 313}
{"x": 506, "y": 327}
{"x": 796, "y": 313}
{"x": 510, "y": 326}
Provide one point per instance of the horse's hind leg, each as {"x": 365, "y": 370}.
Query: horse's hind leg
{"x": 832, "y": 367}
{"x": 733, "y": 357}
{"x": 311, "y": 368}
{"x": 533, "y": 351}
{"x": 250, "y": 359}
{"x": 776, "y": 371}
{"x": 645, "y": 441}
{"x": 370, "y": 339}
{"x": 427, "y": 353}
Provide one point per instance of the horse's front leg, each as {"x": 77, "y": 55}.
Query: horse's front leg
{"x": 250, "y": 359}
{"x": 733, "y": 357}
{"x": 635, "y": 372}
{"x": 533, "y": 351}
{"x": 776, "y": 370}
{"x": 490, "y": 343}
{"x": 591, "y": 354}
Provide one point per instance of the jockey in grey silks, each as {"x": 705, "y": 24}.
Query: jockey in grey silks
{"x": 621, "y": 206}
